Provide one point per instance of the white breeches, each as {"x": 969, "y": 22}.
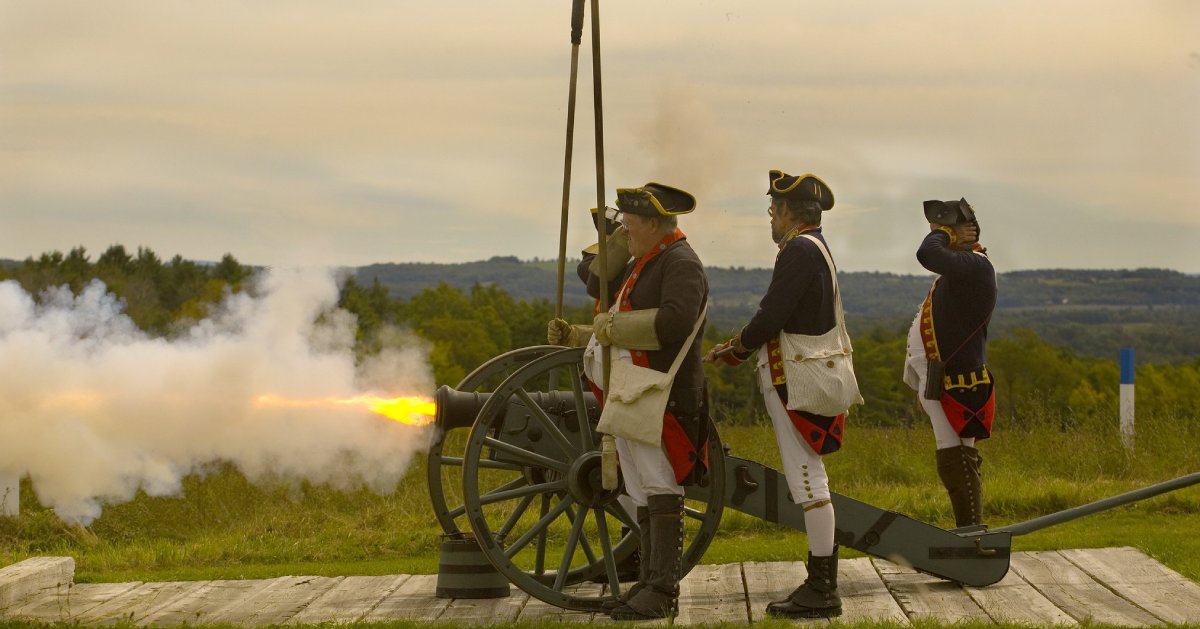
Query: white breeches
{"x": 915, "y": 365}
{"x": 646, "y": 471}
{"x": 645, "y": 468}
{"x": 804, "y": 469}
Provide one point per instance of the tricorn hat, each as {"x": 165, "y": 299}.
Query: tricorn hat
{"x": 610, "y": 225}
{"x": 806, "y": 187}
{"x": 949, "y": 212}
{"x": 655, "y": 199}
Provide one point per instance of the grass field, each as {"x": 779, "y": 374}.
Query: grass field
{"x": 224, "y": 527}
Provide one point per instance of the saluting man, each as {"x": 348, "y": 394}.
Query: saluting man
{"x": 799, "y": 301}
{"x": 658, "y": 289}
{"x": 947, "y": 351}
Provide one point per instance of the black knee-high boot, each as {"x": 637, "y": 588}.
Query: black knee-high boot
{"x": 959, "y": 469}
{"x": 659, "y": 595}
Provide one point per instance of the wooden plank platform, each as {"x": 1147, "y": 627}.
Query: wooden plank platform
{"x": 1118, "y": 586}
{"x": 33, "y": 578}
{"x": 349, "y": 600}
{"x": 200, "y": 605}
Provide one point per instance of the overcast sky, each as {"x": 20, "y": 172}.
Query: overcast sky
{"x": 347, "y": 133}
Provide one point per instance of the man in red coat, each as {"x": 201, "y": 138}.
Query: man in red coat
{"x": 658, "y": 289}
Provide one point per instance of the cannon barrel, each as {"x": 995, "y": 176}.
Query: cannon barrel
{"x": 458, "y": 409}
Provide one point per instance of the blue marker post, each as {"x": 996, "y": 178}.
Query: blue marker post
{"x": 1127, "y": 397}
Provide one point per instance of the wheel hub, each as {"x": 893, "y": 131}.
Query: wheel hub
{"x": 584, "y": 481}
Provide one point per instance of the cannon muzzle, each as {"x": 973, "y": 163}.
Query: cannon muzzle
{"x": 458, "y": 409}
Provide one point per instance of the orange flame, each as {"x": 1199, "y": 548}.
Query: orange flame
{"x": 413, "y": 410}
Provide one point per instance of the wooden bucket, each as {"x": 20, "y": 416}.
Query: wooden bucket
{"x": 465, "y": 572}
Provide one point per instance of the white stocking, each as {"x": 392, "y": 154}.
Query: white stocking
{"x": 819, "y": 524}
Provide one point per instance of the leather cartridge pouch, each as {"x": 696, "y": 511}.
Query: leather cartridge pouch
{"x": 935, "y": 372}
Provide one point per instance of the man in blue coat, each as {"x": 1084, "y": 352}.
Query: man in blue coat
{"x": 799, "y": 301}
{"x": 947, "y": 351}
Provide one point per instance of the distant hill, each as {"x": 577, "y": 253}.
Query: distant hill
{"x": 1095, "y": 312}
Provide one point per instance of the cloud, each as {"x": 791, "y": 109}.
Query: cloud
{"x": 280, "y": 129}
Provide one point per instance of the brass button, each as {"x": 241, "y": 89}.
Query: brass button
{"x": 798, "y": 357}
{"x": 829, "y": 364}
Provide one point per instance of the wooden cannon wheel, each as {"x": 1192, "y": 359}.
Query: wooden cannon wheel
{"x": 533, "y": 495}
{"x": 443, "y": 470}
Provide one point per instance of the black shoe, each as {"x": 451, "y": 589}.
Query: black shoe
{"x": 647, "y": 604}
{"x": 789, "y": 609}
{"x": 610, "y": 605}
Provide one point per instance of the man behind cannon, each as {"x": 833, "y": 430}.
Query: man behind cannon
{"x": 947, "y": 351}
{"x": 800, "y": 301}
{"x": 658, "y": 289}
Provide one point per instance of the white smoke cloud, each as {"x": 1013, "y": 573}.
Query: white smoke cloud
{"x": 92, "y": 409}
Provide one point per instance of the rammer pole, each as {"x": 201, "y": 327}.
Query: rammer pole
{"x": 576, "y": 38}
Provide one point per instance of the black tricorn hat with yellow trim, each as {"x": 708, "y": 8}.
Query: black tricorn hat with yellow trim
{"x": 655, "y": 199}
{"x": 949, "y": 212}
{"x": 610, "y": 225}
{"x": 806, "y": 187}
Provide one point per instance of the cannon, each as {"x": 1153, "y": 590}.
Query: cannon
{"x": 526, "y": 480}
{"x": 529, "y": 490}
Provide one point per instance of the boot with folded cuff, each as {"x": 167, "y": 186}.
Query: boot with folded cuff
{"x": 817, "y": 597}
{"x": 659, "y": 595}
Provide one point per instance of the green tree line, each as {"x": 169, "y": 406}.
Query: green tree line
{"x": 157, "y": 294}
{"x": 1039, "y": 383}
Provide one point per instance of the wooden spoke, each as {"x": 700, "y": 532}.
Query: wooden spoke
{"x": 539, "y": 526}
{"x": 585, "y": 427}
{"x": 532, "y": 458}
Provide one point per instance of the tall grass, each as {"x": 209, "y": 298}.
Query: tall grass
{"x": 224, "y": 527}
{"x": 1027, "y": 472}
